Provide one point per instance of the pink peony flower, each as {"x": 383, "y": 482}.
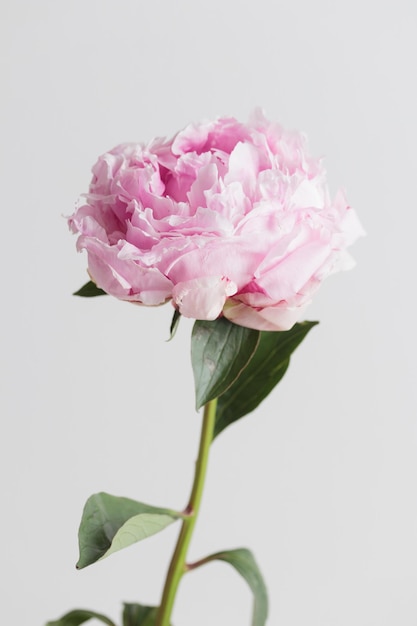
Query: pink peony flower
{"x": 224, "y": 218}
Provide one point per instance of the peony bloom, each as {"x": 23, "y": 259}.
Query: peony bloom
{"x": 224, "y": 218}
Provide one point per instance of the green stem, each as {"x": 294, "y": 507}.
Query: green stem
{"x": 177, "y": 566}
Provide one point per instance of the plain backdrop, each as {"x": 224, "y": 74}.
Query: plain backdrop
{"x": 320, "y": 481}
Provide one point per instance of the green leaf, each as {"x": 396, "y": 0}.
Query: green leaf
{"x": 220, "y": 351}
{"x": 110, "y": 523}
{"x": 89, "y": 290}
{"x": 243, "y": 561}
{"x": 174, "y": 324}
{"x": 266, "y": 368}
{"x": 139, "y": 615}
{"x": 79, "y": 616}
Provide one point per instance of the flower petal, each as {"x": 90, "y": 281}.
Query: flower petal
{"x": 203, "y": 298}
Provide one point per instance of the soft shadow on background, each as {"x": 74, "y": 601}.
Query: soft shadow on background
{"x": 320, "y": 482}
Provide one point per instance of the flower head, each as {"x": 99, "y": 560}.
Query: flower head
{"x": 224, "y": 218}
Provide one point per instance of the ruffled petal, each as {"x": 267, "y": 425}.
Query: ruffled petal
{"x": 203, "y": 298}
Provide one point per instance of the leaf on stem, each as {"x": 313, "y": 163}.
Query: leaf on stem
{"x": 79, "y": 616}
{"x": 89, "y": 290}
{"x": 244, "y": 562}
{"x": 110, "y": 523}
{"x": 220, "y": 350}
{"x": 174, "y": 324}
{"x": 139, "y": 615}
{"x": 265, "y": 369}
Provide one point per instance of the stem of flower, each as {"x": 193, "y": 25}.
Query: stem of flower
{"x": 177, "y": 566}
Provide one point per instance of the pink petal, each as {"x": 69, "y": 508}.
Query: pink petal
{"x": 203, "y": 298}
{"x": 280, "y": 317}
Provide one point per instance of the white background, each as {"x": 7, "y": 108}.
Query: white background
{"x": 320, "y": 482}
